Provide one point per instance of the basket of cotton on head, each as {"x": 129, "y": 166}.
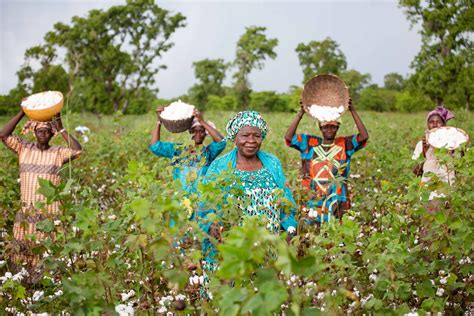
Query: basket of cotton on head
{"x": 43, "y": 106}
{"x": 325, "y": 97}
{"x": 177, "y": 117}
{"x": 447, "y": 137}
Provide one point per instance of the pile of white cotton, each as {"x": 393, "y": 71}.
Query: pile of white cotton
{"x": 447, "y": 137}
{"x": 42, "y": 100}
{"x": 177, "y": 111}
{"x": 325, "y": 113}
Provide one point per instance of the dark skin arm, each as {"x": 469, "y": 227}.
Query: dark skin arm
{"x": 156, "y": 133}
{"x": 363, "y": 134}
{"x": 70, "y": 140}
{"x": 216, "y": 136}
{"x": 10, "y": 127}
{"x": 294, "y": 124}
{"x": 418, "y": 169}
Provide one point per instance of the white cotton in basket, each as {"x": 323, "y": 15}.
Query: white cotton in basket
{"x": 43, "y": 100}
{"x": 325, "y": 113}
{"x": 447, "y": 137}
{"x": 177, "y": 111}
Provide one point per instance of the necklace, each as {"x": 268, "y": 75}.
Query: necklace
{"x": 327, "y": 145}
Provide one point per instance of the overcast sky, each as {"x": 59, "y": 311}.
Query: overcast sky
{"x": 374, "y": 35}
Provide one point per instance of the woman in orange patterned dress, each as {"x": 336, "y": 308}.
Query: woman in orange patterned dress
{"x": 36, "y": 160}
{"x": 326, "y": 164}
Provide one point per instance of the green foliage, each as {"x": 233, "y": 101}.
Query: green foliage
{"x": 210, "y": 74}
{"x": 412, "y": 102}
{"x": 253, "y": 48}
{"x": 387, "y": 256}
{"x": 394, "y": 81}
{"x": 111, "y": 57}
{"x": 269, "y": 101}
{"x": 447, "y": 48}
{"x": 355, "y": 81}
{"x": 321, "y": 57}
{"x": 225, "y": 103}
{"x": 377, "y": 99}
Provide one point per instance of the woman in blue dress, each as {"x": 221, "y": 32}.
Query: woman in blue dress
{"x": 191, "y": 162}
{"x": 259, "y": 176}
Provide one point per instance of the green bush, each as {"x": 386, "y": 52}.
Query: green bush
{"x": 377, "y": 99}
{"x": 412, "y": 102}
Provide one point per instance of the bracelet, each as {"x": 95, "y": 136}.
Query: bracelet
{"x": 62, "y": 131}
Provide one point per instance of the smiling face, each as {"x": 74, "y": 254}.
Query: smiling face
{"x": 199, "y": 133}
{"x": 329, "y": 131}
{"x": 435, "y": 121}
{"x": 43, "y": 135}
{"x": 248, "y": 141}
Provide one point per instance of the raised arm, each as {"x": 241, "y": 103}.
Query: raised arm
{"x": 156, "y": 133}
{"x": 216, "y": 136}
{"x": 10, "y": 127}
{"x": 70, "y": 140}
{"x": 363, "y": 134}
{"x": 294, "y": 124}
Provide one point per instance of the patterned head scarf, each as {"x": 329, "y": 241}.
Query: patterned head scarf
{"x": 196, "y": 123}
{"x": 443, "y": 112}
{"x": 31, "y": 126}
{"x": 243, "y": 119}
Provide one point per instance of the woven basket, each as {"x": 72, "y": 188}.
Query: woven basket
{"x": 44, "y": 115}
{"x": 325, "y": 90}
{"x": 177, "y": 126}
{"x": 430, "y": 132}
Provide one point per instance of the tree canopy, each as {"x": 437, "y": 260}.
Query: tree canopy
{"x": 253, "y": 48}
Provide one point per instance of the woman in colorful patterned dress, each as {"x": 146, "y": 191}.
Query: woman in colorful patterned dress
{"x": 258, "y": 174}
{"x": 37, "y": 161}
{"x": 326, "y": 164}
{"x": 192, "y": 162}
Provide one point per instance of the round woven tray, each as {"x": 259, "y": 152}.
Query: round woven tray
{"x": 325, "y": 90}
{"x": 431, "y": 132}
{"x": 177, "y": 126}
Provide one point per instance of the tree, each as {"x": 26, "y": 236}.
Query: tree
{"x": 446, "y": 49}
{"x": 111, "y": 55}
{"x": 323, "y": 57}
{"x": 355, "y": 81}
{"x": 253, "y": 48}
{"x": 394, "y": 81}
{"x": 210, "y": 74}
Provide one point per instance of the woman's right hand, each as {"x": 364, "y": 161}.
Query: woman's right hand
{"x": 418, "y": 170}
{"x": 158, "y": 111}
{"x": 426, "y": 146}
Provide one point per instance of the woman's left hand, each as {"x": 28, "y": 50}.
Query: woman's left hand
{"x": 57, "y": 123}
{"x": 350, "y": 106}
{"x": 198, "y": 115}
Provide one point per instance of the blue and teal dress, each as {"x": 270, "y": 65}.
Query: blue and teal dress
{"x": 258, "y": 198}
{"x": 190, "y": 164}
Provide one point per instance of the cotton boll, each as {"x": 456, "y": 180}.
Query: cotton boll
{"x": 178, "y": 111}
{"x": 43, "y": 100}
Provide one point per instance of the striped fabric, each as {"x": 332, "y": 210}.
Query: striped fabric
{"x": 34, "y": 164}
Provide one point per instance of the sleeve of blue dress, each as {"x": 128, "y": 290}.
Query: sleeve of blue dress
{"x": 272, "y": 162}
{"x": 164, "y": 149}
{"x": 214, "y": 149}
